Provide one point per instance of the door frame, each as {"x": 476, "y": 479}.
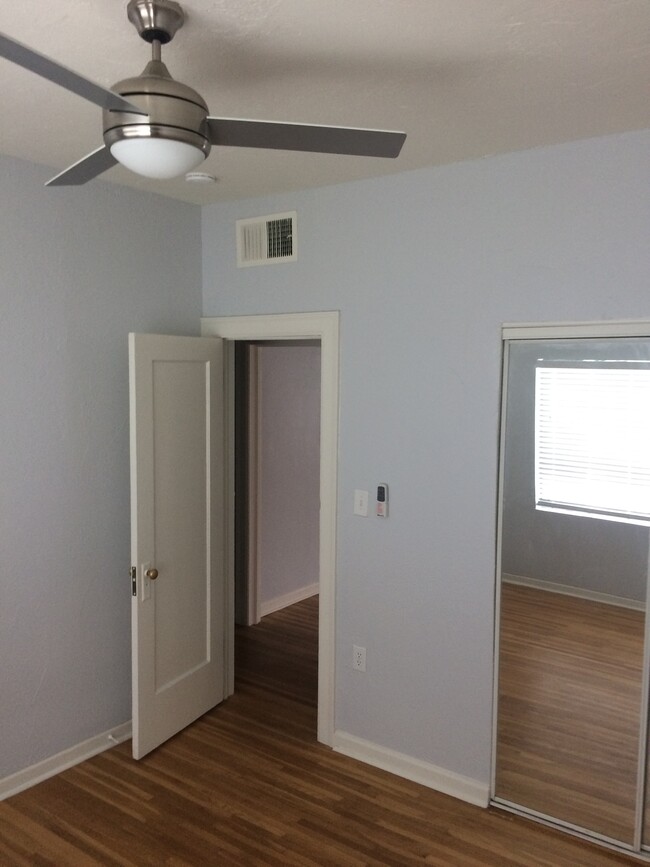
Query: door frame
{"x": 523, "y": 331}
{"x": 293, "y": 326}
{"x": 253, "y": 482}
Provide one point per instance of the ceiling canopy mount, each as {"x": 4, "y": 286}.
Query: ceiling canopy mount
{"x": 155, "y": 20}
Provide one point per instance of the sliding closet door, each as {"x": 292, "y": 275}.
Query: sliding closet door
{"x": 574, "y": 571}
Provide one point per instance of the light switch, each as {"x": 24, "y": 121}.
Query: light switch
{"x": 361, "y": 503}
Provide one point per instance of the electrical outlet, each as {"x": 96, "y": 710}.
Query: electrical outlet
{"x": 358, "y": 658}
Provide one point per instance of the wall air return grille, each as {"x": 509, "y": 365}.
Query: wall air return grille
{"x": 266, "y": 240}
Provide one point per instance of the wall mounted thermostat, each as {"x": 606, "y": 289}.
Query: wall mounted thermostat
{"x": 382, "y": 500}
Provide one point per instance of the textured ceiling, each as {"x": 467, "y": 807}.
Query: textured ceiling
{"x": 463, "y": 79}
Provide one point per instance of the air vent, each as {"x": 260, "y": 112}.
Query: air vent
{"x": 265, "y": 240}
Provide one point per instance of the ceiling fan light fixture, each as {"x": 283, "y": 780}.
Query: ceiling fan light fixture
{"x": 160, "y": 158}
{"x": 160, "y": 128}
{"x": 171, "y": 137}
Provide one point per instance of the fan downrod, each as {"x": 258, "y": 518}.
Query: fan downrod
{"x": 155, "y": 20}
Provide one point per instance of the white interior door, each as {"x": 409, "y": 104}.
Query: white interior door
{"x": 177, "y": 533}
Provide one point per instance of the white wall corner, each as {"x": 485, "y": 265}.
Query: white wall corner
{"x": 449, "y": 783}
{"x": 47, "y": 768}
{"x": 280, "y": 602}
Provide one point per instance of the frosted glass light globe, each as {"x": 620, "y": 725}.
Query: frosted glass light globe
{"x": 157, "y": 157}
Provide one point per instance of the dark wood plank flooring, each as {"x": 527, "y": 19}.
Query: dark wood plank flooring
{"x": 248, "y": 784}
{"x": 569, "y": 708}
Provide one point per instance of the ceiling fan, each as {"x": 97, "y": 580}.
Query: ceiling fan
{"x": 160, "y": 128}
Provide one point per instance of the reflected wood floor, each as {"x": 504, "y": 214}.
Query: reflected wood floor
{"x": 569, "y": 708}
{"x": 248, "y": 784}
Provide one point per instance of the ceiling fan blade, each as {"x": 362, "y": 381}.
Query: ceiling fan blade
{"x": 233, "y": 132}
{"x": 61, "y": 75}
{"x": 85, "y": 169}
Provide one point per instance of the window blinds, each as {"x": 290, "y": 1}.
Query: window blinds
{"x": 592, "y": 441}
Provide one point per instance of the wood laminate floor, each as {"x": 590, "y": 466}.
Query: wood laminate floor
{"x": 569, "y": 708}
{"x": 248, "y": 784}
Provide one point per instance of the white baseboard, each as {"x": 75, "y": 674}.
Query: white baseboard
{"x": 288, "y": 599}
{"x": 578, "y": 592}
{"x": 62, "y": 761}
{"x": 432, "y": 776}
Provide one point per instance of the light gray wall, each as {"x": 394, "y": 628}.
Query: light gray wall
{"x": 424, "y": 268}
{"x": 289, "y": 471}
{"x": 79, "y": 269}
{"x": 585, "y": 553}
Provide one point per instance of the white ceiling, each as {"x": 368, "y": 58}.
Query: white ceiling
{"x": 463, "y": 79}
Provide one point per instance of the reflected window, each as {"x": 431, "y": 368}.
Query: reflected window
{"x": 592, "y": 441}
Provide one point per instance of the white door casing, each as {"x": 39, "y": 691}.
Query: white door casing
{"x": 296, "y": 326}
{"x": 178, "y": 515}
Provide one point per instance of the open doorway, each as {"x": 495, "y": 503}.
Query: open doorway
{"x": 324, "y": 327}
{"x": 277, "y": 505}
{"x": 277, "y": 475}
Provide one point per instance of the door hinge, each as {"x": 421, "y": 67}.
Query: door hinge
{"x": 134, "y": 586}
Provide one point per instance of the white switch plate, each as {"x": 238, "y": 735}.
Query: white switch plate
{"x": 361, "y": 503}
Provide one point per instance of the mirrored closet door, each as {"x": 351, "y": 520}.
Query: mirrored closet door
{"x": 571, "y": 696}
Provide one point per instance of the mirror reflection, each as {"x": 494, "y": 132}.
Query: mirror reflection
{"x": 574, "y": 571}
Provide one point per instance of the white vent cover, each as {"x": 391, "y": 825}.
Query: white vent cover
{"x": 265, "y": 240}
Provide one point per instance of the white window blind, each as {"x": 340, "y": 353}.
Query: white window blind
{"x": 592, "y": 441}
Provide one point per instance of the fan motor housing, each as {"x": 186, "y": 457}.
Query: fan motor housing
{"x": 174, "y": 110}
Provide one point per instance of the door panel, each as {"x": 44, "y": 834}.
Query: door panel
{"x": 178, "y": 515}
{"x": 573, "y": 591}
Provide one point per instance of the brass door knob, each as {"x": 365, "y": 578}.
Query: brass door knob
{"x": 152, "y": 574}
